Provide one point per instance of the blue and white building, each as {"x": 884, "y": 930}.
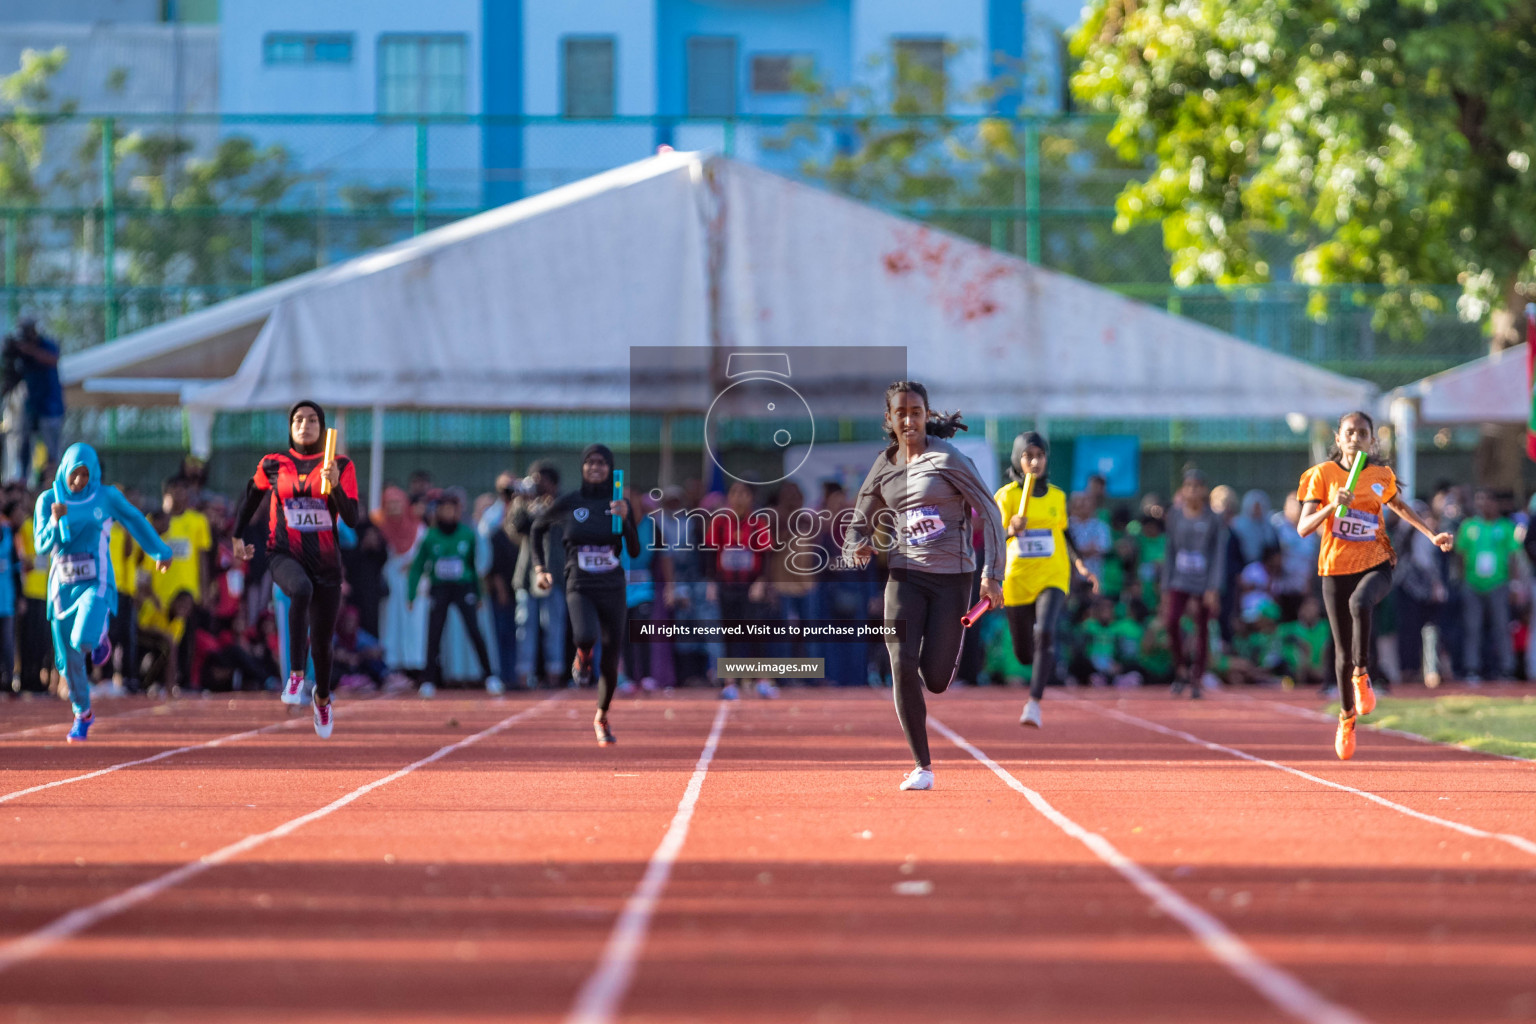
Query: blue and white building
{"x": 558, "y": 89}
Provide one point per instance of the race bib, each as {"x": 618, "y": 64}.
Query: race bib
{"x": 599, "y": 558}
{"x": 731, "y": 559}
{"x": 450, "y": 570}
{"x": 181, "y": 548}
{"x": 307, "y": 515}
{"x": 924, "y": 525}
{"x": 1355, "y": 526}
{"x": 75, "y": 568}
{"x": 1034, "y": 544}
{"x": 1190, "y": 563}
{"x": 1487, "y": 565}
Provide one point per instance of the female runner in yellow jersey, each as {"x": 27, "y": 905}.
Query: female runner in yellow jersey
{"x": 1039, "y": 567}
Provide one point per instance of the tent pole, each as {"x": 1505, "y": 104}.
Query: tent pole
{"x": 376, "y": 460}
{"x": 1404, "y": 431}
{"x": 665, "y": 476}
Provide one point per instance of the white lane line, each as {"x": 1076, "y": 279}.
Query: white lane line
{"x": 62, "y": 729}
{"x": 1322, "y": 716}
{"x": 604, "y": 989}
{"x": 36, "y": 943}
{"x": 1518, "y": 842}
{"x": 231, "y": 738}
{"x": 1286, "y": 992}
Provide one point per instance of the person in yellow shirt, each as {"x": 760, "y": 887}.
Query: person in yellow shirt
{"x": 161, "y": 631}
{"x": 190, "y": 539}
{"x": 1039, "y": 568}
{"x": 128, "y": 563}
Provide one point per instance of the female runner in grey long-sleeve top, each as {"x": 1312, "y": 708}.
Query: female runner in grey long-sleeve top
{"x": 921, "y": 489}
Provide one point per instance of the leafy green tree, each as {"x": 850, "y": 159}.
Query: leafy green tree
{"x": 1386, "y": 142}
{"x": 901, "y": 147}
{"x": 28, "y": 105}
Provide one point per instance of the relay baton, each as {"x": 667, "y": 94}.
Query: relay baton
{"x": 1029, "y": 488}
{"x": 1354, "y": 476}
{"x": 967, "y": 621}
{"x": 618, "y": 495}
{"x": 978, "y": 609}
{"x": 330, "y": 458}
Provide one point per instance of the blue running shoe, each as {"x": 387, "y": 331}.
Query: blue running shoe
{"x": 78, "y": 732}
{"x": 102, "y": 652}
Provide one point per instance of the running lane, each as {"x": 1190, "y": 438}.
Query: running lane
{"x": 481, "y": 886}
{"x": 812, "y": 889}
{"x": 1392, "y": 916}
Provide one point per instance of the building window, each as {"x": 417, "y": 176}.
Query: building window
{"x": 775, "y": 73}
{"x": 919, "y": 75}
{"x": 588, "y": 73}
{"x": 712, "y": 76}
{"x": 300, "y": 48}
{"x": 423, "y": 74}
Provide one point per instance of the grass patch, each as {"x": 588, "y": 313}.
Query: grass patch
{"x": 1498, "y": 725}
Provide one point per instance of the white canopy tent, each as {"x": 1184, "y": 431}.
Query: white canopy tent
{"x": 535, "y": 305}
{"x": 528, "y": 306}
{"x": 987, "y": 332}
{"x": 1493, "y": 389}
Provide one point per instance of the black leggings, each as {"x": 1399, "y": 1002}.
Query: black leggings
{"x": 1350, "y": 601}
{"x": 930, "y": 604}
{"x": 1034, "y": 636}
{"x": 599, "y": 615}
{"x": 312, "y": 609}
{"x": 466, "y": 598}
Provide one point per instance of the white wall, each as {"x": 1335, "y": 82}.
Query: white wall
{"x": 250, "y": 86}
{"x": 547, "y": 22}
{"x": 876, "y": 23}
{"x": 80, "y": 11}
{"x": 160, "y": 67}
{"x": 336, "y": 153}
{"x": 1048, "y": 22}
{"x": 555, "y": 154}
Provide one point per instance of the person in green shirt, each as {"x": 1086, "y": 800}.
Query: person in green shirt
{"x": 1302, "y": 643}
{"x": 447, "y": 558}
{"x": 1487, "y": 546}
{"x": 1156, "y": 658}
{"x": 1257, "y": 653}
{"x": 1109, "y": 647}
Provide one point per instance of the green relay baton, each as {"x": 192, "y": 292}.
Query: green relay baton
{"x": 1354, "y": 478}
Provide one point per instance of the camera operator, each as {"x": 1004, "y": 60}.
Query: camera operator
{"x": 33, "y": 360}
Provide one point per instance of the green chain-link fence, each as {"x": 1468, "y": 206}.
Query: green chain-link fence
{"x": 112, "y": 224}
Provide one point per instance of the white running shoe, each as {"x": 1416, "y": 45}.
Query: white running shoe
{"x": 919, "y": 778}
{"x": 766, "y": 690}
{"x": 729, "y": 692}
{"x": 324, "y": 719}
{"x": 293, "y": 692}
{"x": 427, "y": 691}
{"x": 1031, "y": 715}
{"x": 494, "y": 685}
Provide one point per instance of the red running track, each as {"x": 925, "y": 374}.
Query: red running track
{"x": 468, "y": 859}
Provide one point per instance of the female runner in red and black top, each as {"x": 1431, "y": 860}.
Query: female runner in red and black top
{"x": 304, "y": 558}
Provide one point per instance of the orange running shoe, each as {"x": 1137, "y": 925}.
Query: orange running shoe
{"x": 1344, "y": 741}
{"x": 1365, "y": 697}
